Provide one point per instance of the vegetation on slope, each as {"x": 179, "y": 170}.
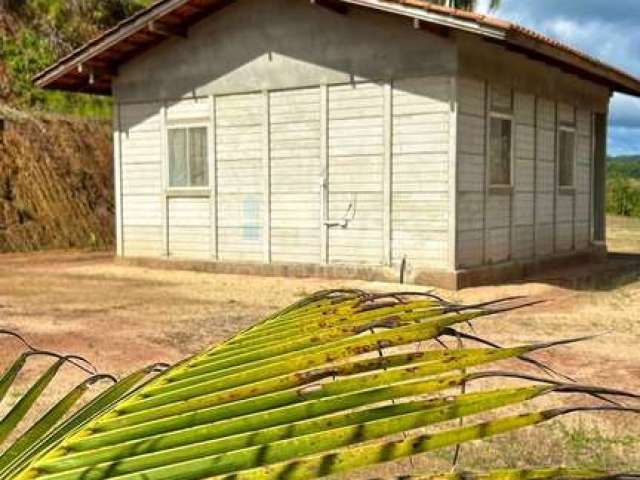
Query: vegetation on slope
{"x": 35, "y": 33}
{"x": 55, "y": 183}
{"x": 623, "y": 186}
{"x": 55, "y": 172}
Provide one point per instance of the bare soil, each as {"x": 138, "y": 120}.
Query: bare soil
{"x": 124, "y": 317}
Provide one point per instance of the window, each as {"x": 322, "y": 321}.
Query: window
{"x": 566, "y": 157}
{"x": 188, "y": 157}
{"x": 500, "y": 154}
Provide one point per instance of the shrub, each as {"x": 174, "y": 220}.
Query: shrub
{"x": 623, "y": 197}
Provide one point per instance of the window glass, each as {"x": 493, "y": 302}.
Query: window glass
{"x": 567, "y": 141}
{"x": 199, "y": 169}
{"x": 188, "y": 157}
{"x": 500, "y": 151}
{"x": 178, "y": 169}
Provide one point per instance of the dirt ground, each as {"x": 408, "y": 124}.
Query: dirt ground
{"x": 123, "y": 317}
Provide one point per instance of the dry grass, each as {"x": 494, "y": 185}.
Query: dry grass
{"x": 624, "y": 234}
{"x": 123, "y": 317}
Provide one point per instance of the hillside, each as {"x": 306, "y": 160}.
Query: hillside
{"x": 625, "y": 166}
{"x": 56, "y": 180}
{"x": 55, "y": 183}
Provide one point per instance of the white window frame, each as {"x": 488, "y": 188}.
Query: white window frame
{"x": 502, "y": 116}
{"x": 186, "y": 126}
{"x": 570, "y": 129}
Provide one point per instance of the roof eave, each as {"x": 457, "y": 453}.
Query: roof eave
{"x": 608, "y": 76}
{"x": 493, "y": 29}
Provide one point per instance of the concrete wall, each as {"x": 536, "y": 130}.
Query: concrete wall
{"x": 314, "y": 118}
{"x": 255, "y": 45}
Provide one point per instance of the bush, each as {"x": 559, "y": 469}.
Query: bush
{"x": 623, "y": 197}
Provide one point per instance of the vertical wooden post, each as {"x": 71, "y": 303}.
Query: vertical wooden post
{"x": 592, "y": 156}
{"x": 388, "y": 175}
{"x": 165, "y": 179}
{"x": 324, "y": 184}
{"x": 513, "y": 194}
{"x": 266, "y": 164}
{"x": 487, "y": 180}
{"x": 576, "y": 188}
{"x": 117, "y": 169}
{"x": 556, "y": 171}
{"x": 454, "y": 180}
{"x": 535, "y": 177}
{"x": 213, "y": 178}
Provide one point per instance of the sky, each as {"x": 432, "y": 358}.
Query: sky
{"x": 606, "y": 29}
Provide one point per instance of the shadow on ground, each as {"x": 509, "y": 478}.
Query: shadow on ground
{"x": 618, "y": 270}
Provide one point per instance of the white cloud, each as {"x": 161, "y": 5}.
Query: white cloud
{"x": 604, "y": 29}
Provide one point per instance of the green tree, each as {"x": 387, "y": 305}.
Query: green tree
{"x": 623, "y": 197}
{"x": 44, "y": 30}
{"x": 467, "y": 4}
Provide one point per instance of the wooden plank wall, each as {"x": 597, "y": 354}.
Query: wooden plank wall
{"x": 355, "y": 177}
{"x": 524, "y": 177}
{"x": 285, "y": 162}
{"x": 471, "y": 221}
{"x": 189, "y": 228}
{"x": 584, "y": 175}
{"x": 545, "y": 177}
{"x": 421, "y": 168}
{"x": 141, "y": 170}
{"x": 240, "y": 179}
{"x": 295, "y": 175}
{"x": 535, "y": 219}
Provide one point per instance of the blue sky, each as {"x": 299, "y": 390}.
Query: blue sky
{"x": 606, "y": 29}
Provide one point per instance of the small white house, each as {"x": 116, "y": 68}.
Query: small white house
{"x": 367, "y": 138}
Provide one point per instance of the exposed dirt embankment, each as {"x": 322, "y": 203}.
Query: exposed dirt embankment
{"x": 55, "y": 183}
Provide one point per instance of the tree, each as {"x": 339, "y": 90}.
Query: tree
{"x": 468, "y": 4}
{"x": 323, "y": 387}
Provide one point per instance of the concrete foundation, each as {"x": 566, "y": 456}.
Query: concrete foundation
{"x": 488, "y": 275}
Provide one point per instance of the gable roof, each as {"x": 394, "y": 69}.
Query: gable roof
{"x": 92, "y": 67}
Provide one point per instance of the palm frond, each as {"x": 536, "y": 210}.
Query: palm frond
{"x": 514, "y": 474}
{"x": 319, "y": 388}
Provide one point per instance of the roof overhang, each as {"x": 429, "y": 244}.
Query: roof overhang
{"x": 92, "y": 67}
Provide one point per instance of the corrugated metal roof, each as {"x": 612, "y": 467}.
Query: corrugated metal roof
{"x": 92, "y": 67}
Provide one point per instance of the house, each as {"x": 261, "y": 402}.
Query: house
{"x": 357, "y": 138}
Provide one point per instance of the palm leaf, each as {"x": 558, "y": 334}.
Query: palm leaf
{"x": 542, "y": 474}
{"x": 319, "y": 388}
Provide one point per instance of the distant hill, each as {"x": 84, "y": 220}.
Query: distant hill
{"x": 625, "y": 158}
{"x": 625, "y": 166}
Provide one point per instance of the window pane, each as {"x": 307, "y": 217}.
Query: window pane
{"x": 178, "y": 171}
{"x": 567, "y": 152}
{"x": 199, "y": 167}
{"x": 500, "y": 151}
